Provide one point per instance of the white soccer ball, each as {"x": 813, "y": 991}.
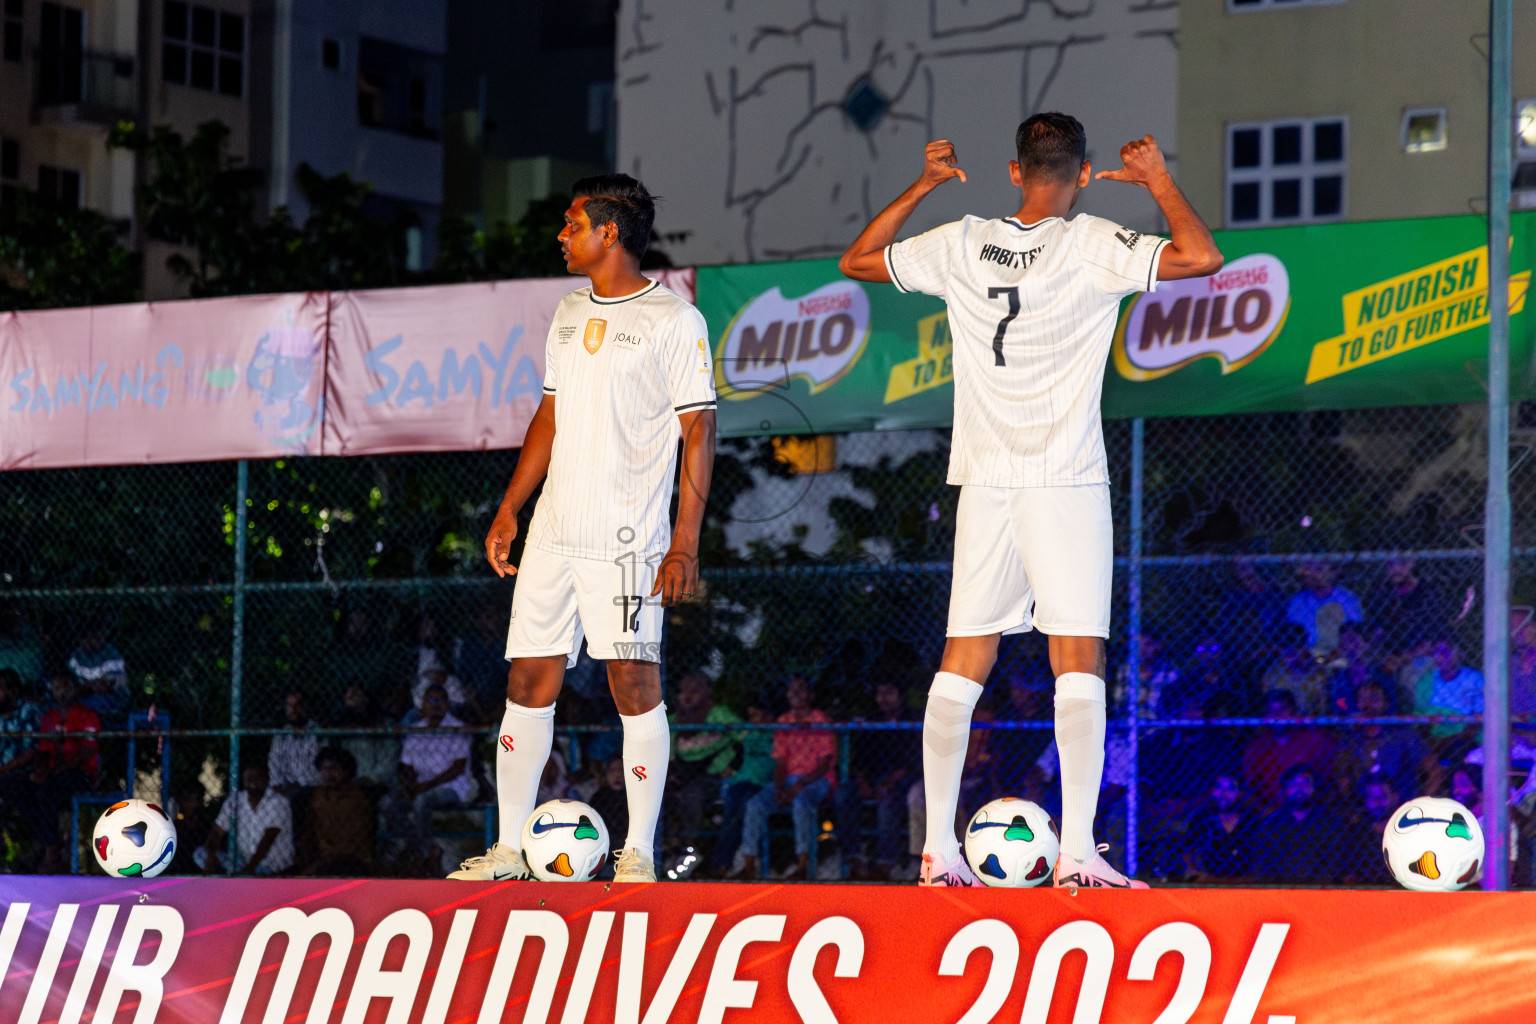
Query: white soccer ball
{"x": 1012, "y": 843}
{"x": 134, "y": 839}
{"x": 565, "y": 841}
{"x": 1434, "y": 844}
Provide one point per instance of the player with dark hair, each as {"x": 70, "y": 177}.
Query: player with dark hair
{"x": 630, "y": 363}
{"x": 1033, "y": 299}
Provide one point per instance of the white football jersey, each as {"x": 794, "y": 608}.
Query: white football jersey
{"x": 621, "y": 371}
{"x": 1032, "y": 311}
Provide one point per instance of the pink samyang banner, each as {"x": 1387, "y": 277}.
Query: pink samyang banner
{"x": 163, "y": 382}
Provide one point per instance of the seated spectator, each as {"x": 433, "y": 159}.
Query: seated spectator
{"x": 188, "y": 809}
{"x": 802, "y": 778}
{"x": 61, "y": 768}
{"x": 102, "y": 676}
{"x": 1155, "y": 673}
{"x": 741, "y": 784}
{"x": 699, "y": 758}
{"x": 1373, "y": 751}
{"x": 434, "y": 773}
{"x": 1220, "y": 843}
{"x": 1450, "y": 689}
{"x": 1278, "y": 748}
{"x": 1210, "y": 680}
{"x": 881, "y": 766}
{"x": 1353, "y": 666}
{"x": 1378, "y": 798}
{"x": 434, "y": 667}
{"x": 1176, "y": 765}
{"x": 263, "y": 824}
{"x": 1298, "y": 671}
{"x": 612, "y": 805}
{"x": 1408, "y": 614}
{"x": 375, "y": 755}
{"x": 1322, "y": 606}
{"x": 16, "y": 752}
{"x": 481, "y": 662}
{"x": 338, "y": 836}
{"x": 291, "y": 758}
{"x": 1299, "y": 841}
{"x": 1252, "y": 608}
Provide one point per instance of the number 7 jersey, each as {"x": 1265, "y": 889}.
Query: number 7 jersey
{"x": 1032, "y": 311}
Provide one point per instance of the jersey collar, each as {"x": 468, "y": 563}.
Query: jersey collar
{"x": 1015, "y": 222}
{"x": 624, "y": 298}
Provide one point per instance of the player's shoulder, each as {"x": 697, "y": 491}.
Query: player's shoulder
{"x": 574, "y": 301}
{"x": 667, "y": 306}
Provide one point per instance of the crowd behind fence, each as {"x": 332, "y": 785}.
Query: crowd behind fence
{"x": 1296, "y": 635}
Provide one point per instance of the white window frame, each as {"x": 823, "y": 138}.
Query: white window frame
{"x": 1267, "y": 173}
{"x": 1434, "y": 146}
{"x": 1236, "y": 7}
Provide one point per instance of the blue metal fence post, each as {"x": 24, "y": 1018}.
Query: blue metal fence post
{"x": 237, "y": 657}
{"x": 1133, "y": 649}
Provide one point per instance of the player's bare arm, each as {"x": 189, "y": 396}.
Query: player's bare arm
{"x": 1191, "y": 251}
{"x": 532, "y": 466}
{"x": 678, "y": 577}
{"x": 864, "y": 260}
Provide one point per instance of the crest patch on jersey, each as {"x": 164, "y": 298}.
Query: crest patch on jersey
{"x": 593, "y": 339}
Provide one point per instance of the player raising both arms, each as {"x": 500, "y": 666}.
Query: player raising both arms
{"x": 1033, "y": 300}
{"x": 629, "y": 362}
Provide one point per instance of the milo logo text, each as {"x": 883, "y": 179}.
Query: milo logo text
{"x": 1231, "y": 316}
{"x": 817, "y": 337}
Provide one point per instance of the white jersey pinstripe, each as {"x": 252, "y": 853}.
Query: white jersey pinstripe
{"x": 1032, "y": 310}
{"x": 622, "y": 369}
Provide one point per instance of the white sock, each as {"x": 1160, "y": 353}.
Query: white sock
{"x": 946, "y": 728}
{"x": 1080, "y": 744}
{"x": 522, "y": 747}
{"x": 647, "y": 745}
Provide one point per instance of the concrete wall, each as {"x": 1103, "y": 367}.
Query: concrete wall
{"x": 735, "y": 112}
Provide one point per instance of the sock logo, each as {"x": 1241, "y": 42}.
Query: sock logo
{"x": 506, "y": 742}
{"x": 639, "y": 772}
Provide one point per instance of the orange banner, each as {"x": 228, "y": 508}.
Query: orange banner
{"x": 200, "y": 951}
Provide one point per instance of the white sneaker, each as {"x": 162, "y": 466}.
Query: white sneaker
{"x": 630, "y": 865}
{"x": 500, "y": 864}
{"x": 956, "y": 873}
{"x": 1094, "y": 873}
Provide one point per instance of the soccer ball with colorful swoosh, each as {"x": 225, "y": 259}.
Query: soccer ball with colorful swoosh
{"x": 134, "y": 839}
{"x": 1434, "y": 844}
{"x": 1011, "y": 843}
{"x": 565, "y": 841}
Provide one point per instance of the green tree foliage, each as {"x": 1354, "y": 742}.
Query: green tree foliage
{"x": 53, "y": 257}
{"x": 529, "y": 248}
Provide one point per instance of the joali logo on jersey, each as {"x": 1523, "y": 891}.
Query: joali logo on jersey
{"x": 1232, "y": 317}
{"x": 817, "y": 336}
{"x": 593, "y": 339}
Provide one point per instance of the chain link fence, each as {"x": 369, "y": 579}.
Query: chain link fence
{"x": 1297, "y": 632}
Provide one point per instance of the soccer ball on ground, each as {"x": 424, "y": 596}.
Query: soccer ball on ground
{"x": 1433, "y": 844}
{"x": 1011, "y": 843}
{"x": 134, "y": 839}
{"x": 565, "y": 841}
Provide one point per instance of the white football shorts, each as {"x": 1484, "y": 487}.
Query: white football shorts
{"x": 1032, "y": 556}
{"x": 559, "y": 598}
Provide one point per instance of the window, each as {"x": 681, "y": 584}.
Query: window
{"x": 59, "y": 187}
{"x": 1424, "y": 129}
{"x": 399, "y": 89}
{"x": 203, "y": 48}
{"x": 1285, "y": 172}
{"x": 10, "y": 36}
{"x": 1524, "y": 183}
{"x": 10, "y": 174}
{"x": 330, "y": 54}
{"x": 1270, "y": 5}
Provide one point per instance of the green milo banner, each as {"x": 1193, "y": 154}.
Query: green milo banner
{"x": 1322, "y": 317}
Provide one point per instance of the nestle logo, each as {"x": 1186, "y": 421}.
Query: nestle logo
{"x": 1232, "y": 280}
{"x": 817, "y": 305}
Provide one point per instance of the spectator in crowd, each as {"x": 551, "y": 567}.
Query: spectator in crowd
{"x": 882, "y": 764}
{"x": 434, "y": 667}
{"x": 1176, "y": 766}
{"x": 17, "y": 752}
{"x": 1155, "y": 673}
{"x": 1018, "y": 751}
{"x": 1352, "y": 666}
{"x": 1522, "y": 669}
{"x": 611, "y": 804}
{"x": 1297, "y": 671}
{"x": 699, "y": 758}
{"x": 19, "y": 650}
{"x": 1220, "y": 845}
{"x": 263, "y": 824}
{"x": 434, "y": 773}
{"x": 1378, "y": 798}
{"x": 1322, "y": 606}
{"x": 291, "y": 758}
{"x": 1451, "y": 688}
{"x": 754, "y": 775}
{"x": 1278, "y": 748}
{"x": 1373, "y": 751}
{"x": 1209, "y": 679}
{"x": 802, "y": 778}
{"x": 338, "y": 837}
{"x": 1250, "y": 611}
{"x": 481, "y": 662}
{"x": 188, "y": 809}
{"x": 1299, "y": 841}
{"x": 61, "y": 768}
{"x": 102, "y": 676}
{"x": 1407, "y": 613}
{"x": 376, "y": 756}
